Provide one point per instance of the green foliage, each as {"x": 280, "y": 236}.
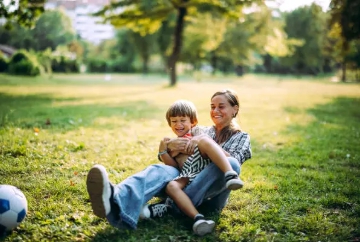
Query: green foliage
{"x": 107, "y": 66}
{"x": 164, "y": 38}
{"x": 22, "y": 12}
{"x": 354, "y": 54}
{"x": 64, "y": 65}
{"x": 344, "y": 35}
{"x": 146, "y": 18}
{"x": 145, "y": 46}
{"x": 65, "y": 59}
{"x": 58, "y": 28}
{"x": 17, "y": 37}
{"x": 23, "y": 67}
{"x": 278, "y": 45}
{"x": 200, "y": 37}
{"x": 113, "y": 55}
{"x": 140, "y": 16}
{"x": 335, "y": 43}
{"x": 3, "y": 63}
{"x": 245, "y": 39}
{"x": 52, "y": 29}
{"x": 347, "y": 14}
{"x": 97, "y": 65}
{"x": 307, "y": 58}
{"x": 24, "y": 63}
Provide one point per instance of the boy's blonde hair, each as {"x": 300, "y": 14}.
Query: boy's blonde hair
{"x": 182, "y": 108}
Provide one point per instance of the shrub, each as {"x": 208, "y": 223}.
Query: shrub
{"x": 64, "y": 65}
{"x": 120, "y": 65}
{"x": 3, "y": 64}
{"x": 24, "y": 63}
{"x": 24, "y": 67}
{"x": 97, "y": 65}
{"x": 19, "y": 56}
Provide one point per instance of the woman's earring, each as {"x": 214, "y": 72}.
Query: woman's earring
{"x": 234, "y": 115}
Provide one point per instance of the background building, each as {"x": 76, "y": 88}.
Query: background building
{"x": 87, "y": 27}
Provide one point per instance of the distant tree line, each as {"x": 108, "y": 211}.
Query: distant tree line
{"x": 201, "y": 35}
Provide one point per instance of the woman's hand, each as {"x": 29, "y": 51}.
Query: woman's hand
{"x": 190, "y": 146}
{"x": 177, "y": 144}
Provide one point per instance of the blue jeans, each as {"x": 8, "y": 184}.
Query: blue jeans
{"x": 131, "y": 194}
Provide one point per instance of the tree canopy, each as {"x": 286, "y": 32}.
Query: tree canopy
{"x": 22, "y": 12}
{"x": 58, "y": 28}
{"x": 345, "y": 17}
{"x": 347, "y": 14}
{"x": 146, "y": 17}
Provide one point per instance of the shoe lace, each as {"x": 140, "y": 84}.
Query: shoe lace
{"x": 159, "y": 210}
{"x": 169, "y": 202}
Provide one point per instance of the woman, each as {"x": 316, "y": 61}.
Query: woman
{"x": 122, "y": 204}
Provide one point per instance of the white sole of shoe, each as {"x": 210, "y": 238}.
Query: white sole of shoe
{"x": 98, "y": 187}
{"x": 234, "y": 184}
{"x": 203, "y": 227}
{"x": 145, "y": 212}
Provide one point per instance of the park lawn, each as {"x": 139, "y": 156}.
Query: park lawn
{"x": 302, "y": 183}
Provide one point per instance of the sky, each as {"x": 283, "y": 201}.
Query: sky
{"x": 289, "y": 5}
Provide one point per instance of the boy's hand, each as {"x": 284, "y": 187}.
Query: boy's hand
{"x": 163, "y": 144}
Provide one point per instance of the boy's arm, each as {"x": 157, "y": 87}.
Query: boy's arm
{"x": 164, "y": 156}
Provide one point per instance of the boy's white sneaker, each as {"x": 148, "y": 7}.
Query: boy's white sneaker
{"x": 233, "y": 181}
{"x": 203, "y": 226}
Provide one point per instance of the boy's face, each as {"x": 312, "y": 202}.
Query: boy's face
{"x": 180, "y": 125}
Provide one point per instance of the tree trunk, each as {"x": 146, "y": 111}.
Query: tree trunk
{"x": 345, "y": 49}
{"x": 343, "y": 68}
{"x": 213, "y": 61}
{"x": 179, "y": 29}
{"x": 239, "y": 70}
{"x": 145, "y": 67}
{"x": 268, "y": 63}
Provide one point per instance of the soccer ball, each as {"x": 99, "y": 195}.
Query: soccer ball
{"x": 13, "y": 207}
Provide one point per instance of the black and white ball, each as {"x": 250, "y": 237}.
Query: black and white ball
{"x": 13, "y": 207}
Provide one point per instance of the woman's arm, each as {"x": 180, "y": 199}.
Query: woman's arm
{"x": 239, "y": 147}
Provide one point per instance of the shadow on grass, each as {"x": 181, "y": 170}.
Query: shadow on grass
{"x": 168, "y": 228}
{"x": 333, "y": 135}
{"x": 317, "y": 179}
{"x": 28, "y": 111}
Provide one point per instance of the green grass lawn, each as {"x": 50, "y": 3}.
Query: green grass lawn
{"x": 302, "y": 183}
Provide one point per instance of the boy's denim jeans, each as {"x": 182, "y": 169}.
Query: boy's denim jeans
{"x": 132, "y": 193}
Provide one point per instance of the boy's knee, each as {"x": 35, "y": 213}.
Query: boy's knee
{"x": 204, "y": 142}
{"x": 172, "y": 186}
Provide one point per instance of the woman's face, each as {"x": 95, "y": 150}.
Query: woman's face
{"x": 221, "y": 111}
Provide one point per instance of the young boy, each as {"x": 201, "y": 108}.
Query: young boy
{"x": 182, "y": 118}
